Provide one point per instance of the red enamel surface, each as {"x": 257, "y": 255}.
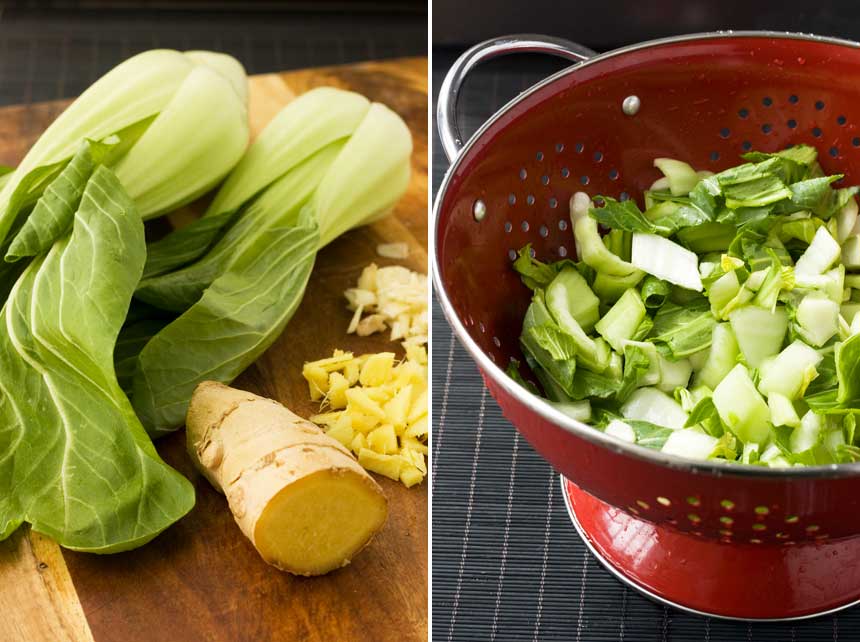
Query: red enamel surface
{"x": 691, "y": 93}
{"x": 743, "y": 581}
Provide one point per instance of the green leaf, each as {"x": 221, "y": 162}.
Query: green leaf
{"x": 132, "y": 338}
{"x": 648, "y": 434}
{"x": 238, "y": 317}
{"x": 534, "y": 274}
{"x": 756, "y": 193}
{"x": 683, "y": 216}
{"x": 795, "y": 162}
{"x": 845, "y": 397}
{"x": 707, "y": 196}
{"x": 636, "y": 365}
{"x": 654, "y": 292}
{"x": 708, "y": 237}
{"x": 684, "y": 329}
{"x": 622, "y": 215}
{"x": 179, "y": 290}
{"x": 513, "y": 371}
{"x": 705, "y": 413}
{"x": 181, "y": 247}
{"x": 550, "y": 373}
{"x": 55, "y": 210}
{"x": 815, "y": 195}
{"x": 587, "y": 384}
{"x": 555, "y": 341}
{"x": 76, "y": 462}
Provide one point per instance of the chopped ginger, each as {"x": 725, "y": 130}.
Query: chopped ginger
{"x": 391, "y": 297}
{"x": 376, "y": 407}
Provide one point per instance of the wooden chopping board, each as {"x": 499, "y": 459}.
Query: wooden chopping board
{"x": 201, "y": 579}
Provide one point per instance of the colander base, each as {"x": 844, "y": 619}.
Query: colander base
{"x": 709, "y": 577}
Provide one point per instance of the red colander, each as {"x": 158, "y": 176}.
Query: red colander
{"x": 717, "y": 539}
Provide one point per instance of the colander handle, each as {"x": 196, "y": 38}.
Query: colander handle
{"x": 446, "y": 106}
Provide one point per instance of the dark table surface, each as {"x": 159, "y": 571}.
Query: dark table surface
{"x": 507, "y": 563}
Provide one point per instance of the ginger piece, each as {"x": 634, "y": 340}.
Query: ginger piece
{"x": 306, "y": 505}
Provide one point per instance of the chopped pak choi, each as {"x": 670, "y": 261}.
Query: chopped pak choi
{"x": 721, "y": 322}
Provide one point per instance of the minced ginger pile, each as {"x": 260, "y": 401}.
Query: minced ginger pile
{"x": 392, "y": 297}
{"x": 376, "y": 407}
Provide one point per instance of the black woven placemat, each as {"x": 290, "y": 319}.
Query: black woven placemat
{"x": 507, "y": 563}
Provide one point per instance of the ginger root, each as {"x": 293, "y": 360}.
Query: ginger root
{"x": 297, "y": 494}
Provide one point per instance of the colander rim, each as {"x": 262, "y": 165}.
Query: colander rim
{"x": 538, "y": 405}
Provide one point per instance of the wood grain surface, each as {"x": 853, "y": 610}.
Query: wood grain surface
{"x": 201, "y": 579}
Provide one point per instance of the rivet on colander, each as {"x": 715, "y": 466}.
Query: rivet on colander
{"x": 631, "y": 105}
{"x": 479, "y": 210}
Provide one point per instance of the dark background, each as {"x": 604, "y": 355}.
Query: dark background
{"x": 52, "y": 50}
{"x": 507, "y": 563}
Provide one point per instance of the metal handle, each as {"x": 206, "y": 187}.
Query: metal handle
{"x": 446, "y": 106}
